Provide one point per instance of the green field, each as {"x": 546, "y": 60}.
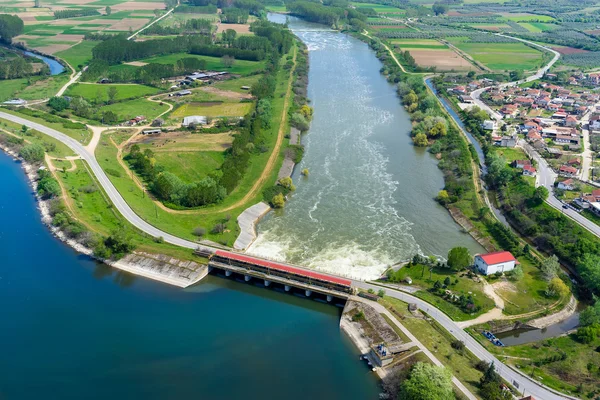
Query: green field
{"x": 277, "y": 9}
{"x": 241, "y": 67}
{"x": 418, "y": 44}
{"x": 132, "y": 108}
{"x": 34, "y": 88}
{"x": 538, "y": 26}
{"x": 79, "y": 54}
{"x": 100, "y": 91}
{"x": 380, "y": 8}
{"x": 235, "y": 85}
{"x": 503, "y": 56}
{"x": 212, "y": 109}
{"x": 491, "y": 27}
{"x": 528, "y": 17}
{"x": 11, "y": 86}
{"x": 190, "y": 166}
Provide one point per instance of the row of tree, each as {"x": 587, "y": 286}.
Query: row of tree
{"x": 19, "y": 67}
{"x": 75, "y": 13}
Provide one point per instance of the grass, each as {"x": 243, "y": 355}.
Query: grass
{"x": 564, "y": 376}
{"x": 235, "y": 85}
{"x": 213, "y": 109}
{"x": 418, "y": 44}
{"x": 130, "y": 109}
{"x": 93, "y": 92}
{"x": 9, "y": 87}
{"x": 81, "y": 135}
{"x": 537, "y": 27}
{"x": 380, "y": 8}
{"x": 190, "y": 166}
{"x": 439, "y": 342}
{"x": 529, "y": 17}
{"x": 511, "y": 154}
{"x": 183, "y": 224}
{"x": 277, "y": 9}
{"x": 80, "y": 54}
{"x": 503, "y": 56}
{"x": 241, "y": 67}
{"x": 58, "y": 149}
{"x": 423, "y": 279}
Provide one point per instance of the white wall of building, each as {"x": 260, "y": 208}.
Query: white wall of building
{"x": 492, "y": 269}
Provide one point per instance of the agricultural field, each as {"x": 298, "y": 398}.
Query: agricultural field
{"x": 80, "y": 54}
{"x": 538, "y": 26}
{"x": 408, "y": 44}
{"x": 442, "y": 60}
{"x": 99, "y": 92}
{"x": 380, "y": 8}
{"x": 491, "y": 27}
{"x": 526, "y": 17}
{"x": 190, "y": 166}
{"x": 502, "y": 56}
{"x": 132, "y": 108}
{"x": 241, "y": 67}
{"x": 212, "y": 109}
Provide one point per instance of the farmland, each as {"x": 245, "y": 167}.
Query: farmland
{"x": 502, "y": 56}
{"x": 213, "y": 109}
{"x": 132, "y": 108}
{"x": 99, "y": 92}
{"x": 241, "y": 67}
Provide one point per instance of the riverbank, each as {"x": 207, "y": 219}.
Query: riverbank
{"x": 158, "y": 267}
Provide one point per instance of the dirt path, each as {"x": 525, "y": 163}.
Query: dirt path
{"x": 271, "y": 162}
{"x": 389, "y": 51}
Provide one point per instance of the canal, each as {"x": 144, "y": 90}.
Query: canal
{"x": 369, "y": 199}
{"x": 73, "y": 328}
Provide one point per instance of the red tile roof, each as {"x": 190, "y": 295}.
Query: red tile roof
{"x": 497, "y": 257}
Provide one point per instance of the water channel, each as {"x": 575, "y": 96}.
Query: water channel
{"x": 369, "y": 199}
{"x": 55, "y": 67}
{"x": 73, "y": 328}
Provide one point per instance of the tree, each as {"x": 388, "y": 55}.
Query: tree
{"x": 420, "y": 140}
{"x": 557, "y": 287}
{"x": 471, "y": 74}
{"x": 10, "y": 26}
{"x": 199, "y": 231}
{"x": 278, "y": 200}
{"x": 58, "y": 103}
{"x": 590, "y": 315}
{"x": 108, "y": 10}
{"x": 589, "y": 269}
{"x": 490, "y": 376}
{"x": 550, "y": 268}
{"x": 112, "y": 94}
{"x": 33, "y": 152}
{"x": 228, "y": 36}
{"x": 459, "y": 258}
{"x": 447, "y": 281}
{"x": 427, "y": 382}
{"x": 227, "y": 61}
{"x": 443, "y": 197}
{"x": 439, "y": 9}
{"x": 540, "y": 195}
{"x": 381, "y": 293}
{"x": 38, "y": 4}
{"x": 109, "y": 118}
{"x": 517, "y": 274}
{"x": 287, "y": 183}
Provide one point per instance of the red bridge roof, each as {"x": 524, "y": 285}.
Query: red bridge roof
{"x": 283, "y": 267}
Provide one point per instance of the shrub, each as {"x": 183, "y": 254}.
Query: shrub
{"x": 199, "y": 231}
{"x": 32, "y": 152}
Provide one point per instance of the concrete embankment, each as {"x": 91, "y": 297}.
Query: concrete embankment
{"x": 552, "y": 319}
{"x": 247, "y": 221}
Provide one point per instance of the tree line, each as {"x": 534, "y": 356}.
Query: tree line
{"x": 71, "y": 13}
{"x": 20, "y": 67}
{"x": 10, "y": 26}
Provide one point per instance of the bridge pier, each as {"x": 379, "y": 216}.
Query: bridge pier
{"x": 247, "y": 278}
{"x": 329, "y": 298}
{"x": 287, "y": 288}
{"x": 267, "y": 283}
{"x": 228, "y": 273}
{"x": 308, "y": 292}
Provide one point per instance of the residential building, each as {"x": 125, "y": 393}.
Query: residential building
{"x": 521, "y": 163}
{"x": 566, "y": 184}
{"x": 489, "y": 125}
{"x": 566, "y": 170}
{"x": 528, "y": 170}
{"x": 501, "y": 261}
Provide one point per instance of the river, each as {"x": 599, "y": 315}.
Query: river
{"x": 55, "y": 67}
{"x": 369, "y": 199}
{"x": 73, "y": 328}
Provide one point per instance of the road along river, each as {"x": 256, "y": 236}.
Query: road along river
{"x": 369, "y": 199}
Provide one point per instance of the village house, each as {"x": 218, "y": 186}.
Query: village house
{"x": 593, "y": 79}
{"x": 566, "y": 184}
{"x": 501, "y": 261}
{"x": 459, "y": 90}
{"x": 568, "y": 171}
{"x": 533, "y": 135}
{"x": 510, "y": 109}
{"x": 466, "y": 99}
{"x": 528, "y": 170}
{"x": 521, "y": 163}
{"x": 594, "y": 123}
{"x": 489, "y": 125}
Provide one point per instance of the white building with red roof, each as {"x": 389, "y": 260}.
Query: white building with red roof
{"x": 500, "y": 261}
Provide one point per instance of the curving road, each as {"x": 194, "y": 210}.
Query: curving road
{"x": 522, "y": 382}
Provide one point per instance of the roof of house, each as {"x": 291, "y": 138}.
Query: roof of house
{"x": 529, "y": 168}
{"x": 497, "y": 257}
{"x": 567, "y": 181}
{"x": 566, "y": 168}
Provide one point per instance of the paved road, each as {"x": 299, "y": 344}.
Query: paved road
{"x": 118, "y": 201}
{"x": 524, "y": 383}
{"x": 546, "y": 177}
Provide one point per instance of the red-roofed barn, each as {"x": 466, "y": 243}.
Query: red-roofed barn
{"x": 501, "y": 261}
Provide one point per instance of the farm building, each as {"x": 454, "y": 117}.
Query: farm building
{"x": 194, "y": 120}
{"x": 501, "y": 261}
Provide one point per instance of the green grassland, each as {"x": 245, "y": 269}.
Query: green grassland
{"x": 235, "y": 85}
{"x": 11, "y": 86}
{"x": 34, "y": 88}
{"x": 183, "y": 224}
{"x": 132, "y": 108}
{"x": 53, "y": 146}
{"x": 528, "y": 17}
{"x": 566, "y": 375}
{"x": 502, "y": 56}
{"x": 380, "y": 8}
{"x": 277, "y": 9}
{"x": 213, "y": 109}
{"x": 422, "y": 278}
{"x": 80, "y": 54}
{"x": 190, "y": 166}
{"x": 241, "y": 67}
{"x": 100, "y": 91}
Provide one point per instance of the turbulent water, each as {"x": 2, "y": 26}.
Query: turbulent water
{"x": 368, "y": 201}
